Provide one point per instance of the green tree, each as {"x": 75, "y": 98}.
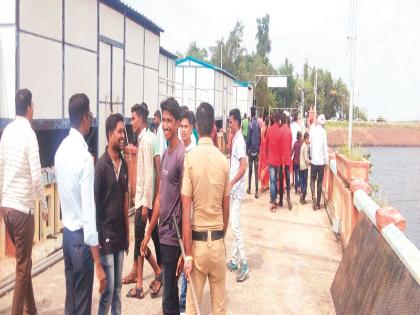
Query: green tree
{"x": 262, "y": 36}
{"x": 287, "y": 97}
{"x": 197, "y": 52}
{"x": 232, "y": 50}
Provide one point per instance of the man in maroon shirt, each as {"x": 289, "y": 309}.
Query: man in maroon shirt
{"x": 285, "y": 156}
{"x": 273, "y": 158}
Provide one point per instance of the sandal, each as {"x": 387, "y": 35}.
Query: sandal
{"x": 136, "y": 293}
{"x": 130, "y": 278}
{"x": 153, "y": 290}
{"x": 273, "y": 208}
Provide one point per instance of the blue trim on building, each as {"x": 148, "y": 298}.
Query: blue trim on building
{"x": 206, "y": 65}
{"x": 242, "y": 83}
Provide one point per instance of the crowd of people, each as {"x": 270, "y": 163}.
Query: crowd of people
{"x": 183, "y": 181}
{"x": 282, "y": 150}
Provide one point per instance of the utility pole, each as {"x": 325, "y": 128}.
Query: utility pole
{"x": 316, "y": 86}
{"x": 352, "y": 39}
{"x": 221, "y": 53}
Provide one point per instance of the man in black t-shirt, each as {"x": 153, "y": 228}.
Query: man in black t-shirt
{"x": 111, "y": 199}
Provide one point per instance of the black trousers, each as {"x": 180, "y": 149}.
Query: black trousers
{"x": 286, "y": 169}
{"x": 253, "y": 160}
{"x": 139, "y": 230}
{"x": 170, "y": 298}
{"x": 78, "y": 268}
{"x": 317, "y": 174}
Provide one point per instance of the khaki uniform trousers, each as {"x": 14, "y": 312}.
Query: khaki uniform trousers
{"x": 209, "y": 262}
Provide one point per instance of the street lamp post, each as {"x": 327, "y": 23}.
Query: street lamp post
{"x": 302, "y": 97}
{"x": 315, "y": 83}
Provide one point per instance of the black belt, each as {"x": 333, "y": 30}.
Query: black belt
{"x": 202, "y": 236}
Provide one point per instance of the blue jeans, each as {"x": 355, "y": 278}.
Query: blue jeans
{"x": 304, "y": 181}
{"x": 111, "y": 297}
{"x": 183, "y": 294}
{"x": 274, "y": 175}
{"x": 78, "y": 269}
{"x": 296, "y": 173}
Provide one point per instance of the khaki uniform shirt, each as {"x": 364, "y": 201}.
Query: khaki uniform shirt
{"x": 206, "y": 181}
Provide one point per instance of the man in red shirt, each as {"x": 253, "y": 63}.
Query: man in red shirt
{"x": 285, "y": 156}
{"x": 273, "y": 153}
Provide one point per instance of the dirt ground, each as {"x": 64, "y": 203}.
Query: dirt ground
{"x": 293, "y": 257}
{"x": 376, "y": 136}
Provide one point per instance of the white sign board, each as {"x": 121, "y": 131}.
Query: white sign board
{"x": 277, "y": 82}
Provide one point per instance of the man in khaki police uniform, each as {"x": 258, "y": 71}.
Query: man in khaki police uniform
{"x": 206, "y": 186}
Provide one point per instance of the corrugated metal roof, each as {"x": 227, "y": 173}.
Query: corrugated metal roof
{"x": 206, "y": 65}
{"x": 133, "y": 15}
{"x": 167, "y": 53}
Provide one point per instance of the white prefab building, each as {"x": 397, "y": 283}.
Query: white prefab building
{"x": 199, "y": 81}
{"x": 102, "y": 48}
{"x": 243, "y": 95}
{"x": 166, "y": 74}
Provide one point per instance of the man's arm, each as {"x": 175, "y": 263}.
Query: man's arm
{"x": 1, "y": 176}
{"x": 241, "y": 172}
{"x": 147, "y": 200}
{"x": 325, "y": 149}
{"x": 156, "y": 164}
{"x": 152, "y": 224}
{"x": 35, "y": 168}
{"x": 90, "y": 234}
{"x": 127, "y": 222}
{"x": 1, "y": 169}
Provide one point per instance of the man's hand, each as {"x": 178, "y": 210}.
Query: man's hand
{"x": 188, "y": 266}
{"x": 179, "y": 266}
{"x": 100, "y": 274}
{"x": 144, "y": 243}
{"x": 144, "y": 215}
{"x": 44, "y": 215}
{"x": 128, "y": 243}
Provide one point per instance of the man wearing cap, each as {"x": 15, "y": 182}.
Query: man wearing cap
{"x": 319, "y": 159}
{"x": 206, "y": 187}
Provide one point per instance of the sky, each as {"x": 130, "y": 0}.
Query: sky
{"x": 387, "y": 46}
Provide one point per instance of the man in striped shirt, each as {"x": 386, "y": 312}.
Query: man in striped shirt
{"x": 20, "y": 185}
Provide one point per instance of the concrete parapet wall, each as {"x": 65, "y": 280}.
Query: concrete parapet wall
{"x": 380, "y": 269}
{"x": 379, "y": 272}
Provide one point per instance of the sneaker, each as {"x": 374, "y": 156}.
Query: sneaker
{"x": 243, "y": 273}
{"x": 231, "y": 266}
{"x": 248, "y": 191}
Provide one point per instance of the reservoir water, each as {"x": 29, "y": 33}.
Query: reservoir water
{"x": 397, "y": 173}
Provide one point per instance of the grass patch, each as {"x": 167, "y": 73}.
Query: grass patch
{"x": 355, "y": 154}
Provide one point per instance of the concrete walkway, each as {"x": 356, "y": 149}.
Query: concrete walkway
{"x": 293, "y": 257}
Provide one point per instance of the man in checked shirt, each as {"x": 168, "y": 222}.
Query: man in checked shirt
{"x": 20, "y": 184}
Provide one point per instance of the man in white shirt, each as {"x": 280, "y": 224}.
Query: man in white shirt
{"x": 75, "y": 181}
{"x": 185, "y": 132}
{"x": 238, "y": 162}
{"x": 143, "y": 201}
{"x": 162, "y": 140}
{"x": 186, "y": 129}
{"x": 319, "y": 159}
{"x": 20, "y": 185}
